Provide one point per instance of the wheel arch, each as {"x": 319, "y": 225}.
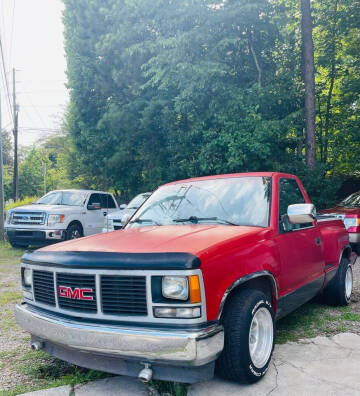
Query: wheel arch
{"x": 261, "y": 280}
{"x": 77, "y": 222}
{"x": 346, "y": 252}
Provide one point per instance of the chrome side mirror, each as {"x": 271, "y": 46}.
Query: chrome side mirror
{"x": 301, "y": 213}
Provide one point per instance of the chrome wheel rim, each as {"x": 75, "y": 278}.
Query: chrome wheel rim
{"x": 348, "y": 282}
{"x": 75, "y": 234}
{"x": 261, "y": 337}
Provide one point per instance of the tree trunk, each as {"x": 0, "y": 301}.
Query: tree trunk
{"x": 309, "y": 80}
{"x": 332, "y": 80}
{"x": 256, "y": 60}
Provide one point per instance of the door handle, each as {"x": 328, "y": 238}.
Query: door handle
{"x": 318, "y": 241}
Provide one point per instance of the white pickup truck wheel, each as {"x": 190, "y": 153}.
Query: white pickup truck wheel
{"x": 249, "y": 327}
{"x": 74, "y": 231}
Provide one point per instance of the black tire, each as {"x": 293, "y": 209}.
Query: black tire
{"x": 235, "y": 362}
{"x": 74, "y": 231}
{"x": 335, "y": 293}
{"x": 357, "y": 249}
{"x": 17, "y": 246}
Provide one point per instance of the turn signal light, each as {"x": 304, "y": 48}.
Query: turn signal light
{"x": 195, "y": 292}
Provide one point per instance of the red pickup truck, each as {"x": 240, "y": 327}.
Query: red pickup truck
{"x": 348, "y": 210}
{"x": 193, "y": 283}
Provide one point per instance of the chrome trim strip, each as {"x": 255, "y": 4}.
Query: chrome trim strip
{"x": 172, "y": 346}
{"x": 243, "y": 280}
{"x": 142, "y": 319}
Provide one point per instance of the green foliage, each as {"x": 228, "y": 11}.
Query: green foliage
{"x": 162, "y": 90}
{"x": 21, "y": 202}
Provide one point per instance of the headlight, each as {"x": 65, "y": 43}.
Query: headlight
{"x": 351, "y": 222}
{"x": 110, "y": 224}
{"x": 175, "y": 287}
{"x": 27, "y": 277}
{"x": 8, "y": 217}
{"x": 55, "y": 219}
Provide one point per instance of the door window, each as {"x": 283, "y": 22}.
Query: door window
{"x": 107, "y": 201}
{"x": 289, "y": 194}
{"x": 94, "y": 198}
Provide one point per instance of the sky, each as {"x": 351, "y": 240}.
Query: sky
{"x": 32, "y": 38}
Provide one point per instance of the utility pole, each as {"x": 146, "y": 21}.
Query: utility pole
{"x": 44, "y": 174}
{"x": 15, "y": 110}
{"x": 2, "y": 217}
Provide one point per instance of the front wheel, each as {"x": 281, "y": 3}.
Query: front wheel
{"x": 74, "y": 231}
{"x": 249, "y": 327}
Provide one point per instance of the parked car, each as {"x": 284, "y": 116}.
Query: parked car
{"x": 59, "y": 215}
{"x": 113, "y": 220}
{"x": 348, "y": 210}
{"x": 198, "y": 275}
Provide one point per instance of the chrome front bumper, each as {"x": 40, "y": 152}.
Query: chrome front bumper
{"x": 173, "y": 347}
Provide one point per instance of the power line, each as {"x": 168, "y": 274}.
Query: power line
{"x": 12, "y": 33}
{"x": 5, "y": 79}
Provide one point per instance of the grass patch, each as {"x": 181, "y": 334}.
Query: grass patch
{"x": 10, "y": 297}
{"x": 169, "y": 388}
{"x": 7, "y": 251}
{"x": 305, "y": 322}
{"x": 41, "y": 366}
{"x": 352, "y": 316}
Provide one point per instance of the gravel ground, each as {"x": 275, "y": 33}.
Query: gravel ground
{"x": 14, "y": 343}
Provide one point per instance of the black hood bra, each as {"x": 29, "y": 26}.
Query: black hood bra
{"x": 113, "y": 260}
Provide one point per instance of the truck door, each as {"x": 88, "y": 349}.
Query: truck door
{"x": 108, "y": 204}
{"x": 300, "y": 248}
{"x": 94, "y": 222}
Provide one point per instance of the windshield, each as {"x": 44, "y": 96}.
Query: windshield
{"x": 231, "y": 201}
{"x": 70, "y": 198}
{"x": 353, "y": 201}
{"x": 137, "y": 201}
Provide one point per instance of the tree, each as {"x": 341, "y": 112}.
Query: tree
{"x": 309, "y": 79}
{"x": 162, "y": 90}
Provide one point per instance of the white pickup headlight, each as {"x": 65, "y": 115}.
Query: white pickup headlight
{"x": 55, "y": 219}
{"x": 8, "y": 217}
{"x": 175, "y": 287}
{"x": 110, "y": 224}
{"x": 27, "y": 277}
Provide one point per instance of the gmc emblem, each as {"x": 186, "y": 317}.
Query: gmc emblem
{"x": 75, "y": 294}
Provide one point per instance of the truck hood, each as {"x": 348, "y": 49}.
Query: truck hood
{"x": 47, "y": 208}
{"x": 198, "y": 240}
{"x": 341, "y": 210}
{"x": 118, "y": 215}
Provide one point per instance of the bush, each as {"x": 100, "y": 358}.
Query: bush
{"x": 25, "y": 201}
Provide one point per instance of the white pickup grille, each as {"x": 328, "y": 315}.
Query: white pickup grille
{"x": 28, "y": 218}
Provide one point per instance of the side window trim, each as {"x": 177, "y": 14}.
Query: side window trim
{"x": 281, "y": 228}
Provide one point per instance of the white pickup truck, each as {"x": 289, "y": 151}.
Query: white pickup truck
{"x": 59, "y": 215}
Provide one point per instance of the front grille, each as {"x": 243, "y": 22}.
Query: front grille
{"x": 123, "y": 295}
{"x": 43, "y": 285}
{"x": 117, "y": 224}
{"x": 28, "y": 218}
{"x": 120, "y": 295}
{"x": 75, "y": 282}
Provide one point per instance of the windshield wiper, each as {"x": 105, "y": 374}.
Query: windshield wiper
{"x": 196, "y": 219}
{"x": 140, "y": 221}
